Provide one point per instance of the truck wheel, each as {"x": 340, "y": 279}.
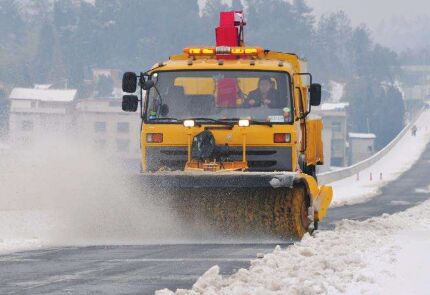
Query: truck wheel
{"x": 298, "y": 219}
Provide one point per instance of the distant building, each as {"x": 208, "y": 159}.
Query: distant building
{"x": 102, "y": 123}
{"x": 40, "y": 110}
{"x": 361, "y": 146}
{"x": 334, "y": 133}
{"x": 416, "y": 83}
{"x": 114, "y": 74}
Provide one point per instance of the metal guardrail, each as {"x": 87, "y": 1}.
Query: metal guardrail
{"x": 331, "y": 176}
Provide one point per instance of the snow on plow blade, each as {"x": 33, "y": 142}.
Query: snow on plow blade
{"x": 242, "y": 203}
{"x": 216, "y": 180}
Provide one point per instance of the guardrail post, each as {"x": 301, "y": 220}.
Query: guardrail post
{"x": 370, "y": 176}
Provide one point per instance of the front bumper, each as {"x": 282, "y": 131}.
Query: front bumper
{"x": 219, "y": 179}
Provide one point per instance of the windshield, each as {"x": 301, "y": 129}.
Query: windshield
{"x": 259, "y": 96}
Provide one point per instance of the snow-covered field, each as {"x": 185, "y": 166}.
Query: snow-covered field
{"x": 382, "y": 255}
{"x": 367, "y": 184}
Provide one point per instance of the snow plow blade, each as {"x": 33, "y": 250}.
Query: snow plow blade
{"x": 280, "y": 205}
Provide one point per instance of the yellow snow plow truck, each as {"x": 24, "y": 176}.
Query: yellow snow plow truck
{"x": 227, "y": 134}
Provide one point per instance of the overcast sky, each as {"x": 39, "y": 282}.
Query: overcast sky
{"x": 393, "y": 23}
{"x": 372, "y": 12}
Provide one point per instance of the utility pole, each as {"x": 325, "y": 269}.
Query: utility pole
{"x": 368, "y": 125}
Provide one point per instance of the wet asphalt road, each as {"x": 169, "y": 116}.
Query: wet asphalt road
{"x": 144, "y": 269}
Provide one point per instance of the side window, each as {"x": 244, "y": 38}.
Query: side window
{"x": 27, "y": 125}
{"x": 100, "y": 127}
{"x": 123, "y": 127}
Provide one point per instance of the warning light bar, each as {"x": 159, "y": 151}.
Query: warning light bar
{"x": 200, "y": 51}
{"x": 224, "y": 50}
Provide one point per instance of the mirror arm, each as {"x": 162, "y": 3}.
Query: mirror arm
{"x": 308, "y": 111}
{"x": 141, "y": 77}
{"x": 305, "y": 74}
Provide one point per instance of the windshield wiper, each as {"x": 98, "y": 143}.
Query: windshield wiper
{"x": 165, "y": 119}
{"x": 236, "y": 120}
{"x": 216, "y": 121}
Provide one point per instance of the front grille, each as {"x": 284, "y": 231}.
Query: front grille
{"x": 174, "y": 152}
{"x": 259, "y": 158}
{"x": 262, "y": 164}
{"x": 252, "y": 153}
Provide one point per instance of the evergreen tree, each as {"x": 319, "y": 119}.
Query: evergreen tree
{"x": 44, "y": 59}
{"x": 12, "y": 27}
{"x": 390, "y": 121}
{"x": 280, "y": 25}
{"x": 331, "y": 54}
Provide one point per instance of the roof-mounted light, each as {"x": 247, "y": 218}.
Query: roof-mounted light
{"x": 199, "y": 51}
{"x": 223, "y": 50}
{"x": 244, "y": 51}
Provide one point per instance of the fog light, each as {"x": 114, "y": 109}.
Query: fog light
{"x": 189, "y": 123}
{"x": 154, "y": 137}
{"x": 244, "y": 123}
{"x": 282, "y": 137}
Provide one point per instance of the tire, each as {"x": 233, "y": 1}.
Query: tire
{"x": 298, "y": 220}
{"x": 307, "y": 169}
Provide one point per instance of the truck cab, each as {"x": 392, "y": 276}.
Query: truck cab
{"x": 202, "y": 88}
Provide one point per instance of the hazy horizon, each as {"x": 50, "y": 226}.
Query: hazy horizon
{"x": 359, "y": 11}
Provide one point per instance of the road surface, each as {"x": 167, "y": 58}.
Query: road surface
{"x": 144, "y": 269}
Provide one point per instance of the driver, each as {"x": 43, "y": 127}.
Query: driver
{"x": 265, "y": 95}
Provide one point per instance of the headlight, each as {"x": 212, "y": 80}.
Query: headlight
{"x": 244, "y": 123}
{"x": 189, "y": 123}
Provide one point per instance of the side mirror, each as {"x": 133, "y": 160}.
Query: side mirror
{"x": 164, "y": 110}
{"x": 315, "y": 94}
{"x": 129, "y": 82}
{"x": 130, "y": 103}
{"x": 148, "y": 84}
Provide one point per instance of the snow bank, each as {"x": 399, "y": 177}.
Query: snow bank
{"x": 366, "y": 257}
{"x": 359, "y": 188}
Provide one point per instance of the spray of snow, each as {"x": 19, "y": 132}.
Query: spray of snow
{"x": 61, "y": 193}
{"x": 337, "y": 91}
{"x": 364, "y": 257}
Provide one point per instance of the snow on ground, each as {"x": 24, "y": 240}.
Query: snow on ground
{"x": 359, "y": 188}
{"x": 381, "y": 255}
{"x": 20, "y": 230}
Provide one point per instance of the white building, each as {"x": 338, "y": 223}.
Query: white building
{"x": 361, "y": 146}
{"x": 103, "y": 124}
{"x": 334, "y": 134}
{"x": 38, "y": 111}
